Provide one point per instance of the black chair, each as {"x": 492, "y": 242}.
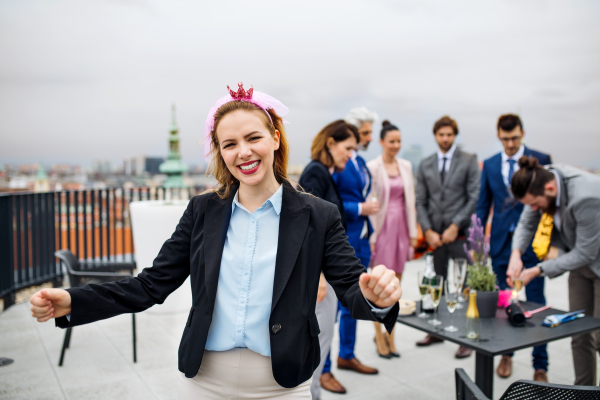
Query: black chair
{"x": 522, "y": 389}
{"x": 82, "y": 273}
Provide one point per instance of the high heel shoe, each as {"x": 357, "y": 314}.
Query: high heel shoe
{"x": 386, "y": 356}
{"x": 392, "y": 353}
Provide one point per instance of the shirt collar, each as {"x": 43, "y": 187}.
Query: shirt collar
{"x": 557, "y": 186}
{"x": 354, "y": 155}
{"x": 448, "y": 155}
{"x": 515, "y": 157}
{"x": 275, "y": 200}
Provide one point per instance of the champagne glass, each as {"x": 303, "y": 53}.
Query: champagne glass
{"x": 423, "y": 290}
{"x": 460, "y": 273}
{"x": 374, "y": 196}
{"x": 452, "y": 294}
{"x": 435, "y": 291}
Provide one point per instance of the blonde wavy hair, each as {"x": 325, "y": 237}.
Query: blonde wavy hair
{"x": 217, "y": 166}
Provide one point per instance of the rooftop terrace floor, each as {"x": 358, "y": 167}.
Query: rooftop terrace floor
{"x": 98, "y": 364}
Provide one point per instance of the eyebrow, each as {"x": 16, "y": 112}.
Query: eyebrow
{"x": 245, "y": 136}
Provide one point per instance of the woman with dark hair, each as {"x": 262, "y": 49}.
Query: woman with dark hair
{"x": 254, "y": 250}
{"x": 395, "y": 225}
{"x": 330, "y": 151}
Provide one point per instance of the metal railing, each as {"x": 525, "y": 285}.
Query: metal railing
{"x": 94, "y": 224}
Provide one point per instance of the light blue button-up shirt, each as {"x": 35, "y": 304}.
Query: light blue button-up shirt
{"x": 245, "y": 289}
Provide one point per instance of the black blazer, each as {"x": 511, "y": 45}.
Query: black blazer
{"x": 311, "y": 239}
{"x": 317, "y": 180}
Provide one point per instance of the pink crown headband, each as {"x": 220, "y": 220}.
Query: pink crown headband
{"x": 262, "y": 100}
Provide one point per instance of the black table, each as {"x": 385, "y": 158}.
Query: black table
{"x": 497, "y": 336}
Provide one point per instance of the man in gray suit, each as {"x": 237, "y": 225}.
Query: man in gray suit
{"x": 447, "y": 192}
{"x": 570, "y": 197}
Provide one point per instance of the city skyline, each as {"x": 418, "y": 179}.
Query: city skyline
{"x": 95, "y": 80}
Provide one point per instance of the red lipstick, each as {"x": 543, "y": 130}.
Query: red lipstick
{"x": 249, "y": 171}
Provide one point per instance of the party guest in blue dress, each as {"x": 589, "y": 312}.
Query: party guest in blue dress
{"x": 495, "y": 191}
{"x": 254, "y": 251}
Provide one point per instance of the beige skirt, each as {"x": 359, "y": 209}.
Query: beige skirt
{"x": 237, "y": 374}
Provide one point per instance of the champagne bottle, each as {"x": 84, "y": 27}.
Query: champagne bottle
{"x": 429, "y": 273}
{"x": 472, "y": 325}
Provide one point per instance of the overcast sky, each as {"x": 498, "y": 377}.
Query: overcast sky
{"x": 85, "y": 80}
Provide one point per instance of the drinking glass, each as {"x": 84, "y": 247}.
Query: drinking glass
{"x": 423, "y": 290}
{"x": 374, "y": 196}
{"x": 452, "y": 294}
{"x": 460, "y": 273}
{"x": 435, "y": 291}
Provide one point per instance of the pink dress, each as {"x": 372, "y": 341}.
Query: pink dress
{"x": 393, "y": 242}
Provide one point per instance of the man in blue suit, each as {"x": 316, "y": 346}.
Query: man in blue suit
{"x": 495, "y": 190}
{"x": 354, "y": 184}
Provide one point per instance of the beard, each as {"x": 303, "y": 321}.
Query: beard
{"x": 551, "y": 209}
{"x": 362, "y": 146}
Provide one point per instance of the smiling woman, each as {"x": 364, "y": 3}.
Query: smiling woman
{"x": 254, "y": 250}
{"x": 245, "y": 126}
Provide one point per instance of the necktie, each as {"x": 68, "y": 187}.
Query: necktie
{"x": 443, "y": 171}
{"x": 511, "y": 169}
{"x": 541, "y": 240}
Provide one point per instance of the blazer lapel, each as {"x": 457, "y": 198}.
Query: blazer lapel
{"x": 361, "y": 162}
{"x": 453, "y": 166}
{"x": 435, "y": 169}
{"x": 352, "y": 168}
{"x": 497, "y": 174}
{"x": 216, "y": 223}
{"x": 564, "y": 199}
{"x": 293, "y": 222}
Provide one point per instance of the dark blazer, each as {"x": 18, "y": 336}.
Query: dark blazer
{"x": 507, "y": 210}
{"x": 350, "y": 187}
{"x": 317, "y": 180}
{"x": 311, "y": 239}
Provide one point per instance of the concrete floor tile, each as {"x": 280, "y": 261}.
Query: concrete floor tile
{"x": 163, "y": 383}
{"x": 31, "y": 357}
{"x": 129, "y": 388}
{"x": 29, "y": 383}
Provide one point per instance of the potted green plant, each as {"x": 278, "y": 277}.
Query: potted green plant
{"x": 480, "y": 276}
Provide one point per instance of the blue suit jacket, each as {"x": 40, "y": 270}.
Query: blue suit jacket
{"x": 350, "y": 188}
{"x": 507, "y": 210}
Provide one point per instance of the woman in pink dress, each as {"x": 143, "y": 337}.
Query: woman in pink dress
{"x": 395, "y": 225}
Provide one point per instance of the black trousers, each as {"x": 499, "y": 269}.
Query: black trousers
{"x": 442, "y": 254}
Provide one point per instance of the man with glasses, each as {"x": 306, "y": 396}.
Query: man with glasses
{"x": 495, "y": 190}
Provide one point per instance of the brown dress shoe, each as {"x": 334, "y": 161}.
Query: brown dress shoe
{"x": 328, "y": 382}
{"x": 463, "y": 352}
{"x": 540, "y": 375}
{"x": 429, "y": 340}
{"x": 504, "y": 369}
{"x": 355, "y": 365}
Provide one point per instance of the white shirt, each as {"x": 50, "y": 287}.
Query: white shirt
{"x": 557, "y": 213}
{"x": 506, "y": 164}
{"x": 448, "y": 156}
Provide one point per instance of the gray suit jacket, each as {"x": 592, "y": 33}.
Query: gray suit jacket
{"x": 579, "y": 235}
{"x": 440, "y": 205}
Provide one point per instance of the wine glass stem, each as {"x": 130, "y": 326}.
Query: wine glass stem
{"x": 435, "y": 313}
{"x": 451, "y": 319}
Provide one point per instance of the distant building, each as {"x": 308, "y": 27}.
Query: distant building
{"x": 41, "y": 184}
{"x": 414, "y": 154}
{"x": 174, "y": 167}
{"x": 152, "y": 164}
